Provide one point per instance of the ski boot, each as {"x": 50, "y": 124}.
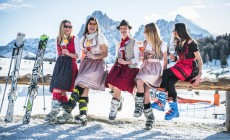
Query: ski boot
{"x": 70, "y": 105}
{"x": 65, "y": 117}
{"x": 150, "y": 122}
{"x": 160, "y": 103}
{"x": 82, "y": 117}
{"x": 55, "y": 108}
{"x": 113, "y": 110}
{"x": 173, "y": 112}
{"x": 138, "y": 106}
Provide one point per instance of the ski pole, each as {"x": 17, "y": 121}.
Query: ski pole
{"x": 43, "y": 87}
{"x": 7, "y": 80}
{"x": 26, "y": 99}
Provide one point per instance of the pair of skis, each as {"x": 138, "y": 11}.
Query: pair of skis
{"x": 36, "y": 73}
{"x": 12, "y": 95}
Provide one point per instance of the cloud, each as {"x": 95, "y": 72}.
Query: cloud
{"x": 14, "y": 5}
{"x": 189, "y": 12}
{"x": 227, "y": 4}
{"x": 152, "y": 18}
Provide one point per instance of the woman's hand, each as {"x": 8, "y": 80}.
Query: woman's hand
{"x": 65, "y": 51}
{"x": 197, "y": 80}
{"x": 145, "y": 62}
{"x": 122, "y": 61}
{"x": 90, "y": 55}
{"x": 172, "y": 57}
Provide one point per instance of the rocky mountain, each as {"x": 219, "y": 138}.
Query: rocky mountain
{"x": 108, "y": 28}
{"x": 166, "y": 28}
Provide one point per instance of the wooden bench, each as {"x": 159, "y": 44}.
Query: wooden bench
{"x": 212, "y": 84}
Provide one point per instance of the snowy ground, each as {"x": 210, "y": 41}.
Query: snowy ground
{"x": 196, "y": 121}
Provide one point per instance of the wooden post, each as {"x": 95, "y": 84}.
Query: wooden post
{"x": 227, "y": 122}
{"x": 216, "y": 98}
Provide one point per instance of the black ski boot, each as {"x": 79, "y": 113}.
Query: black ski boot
{"x": 82, "y": 117}
{"x": 150, "y": 122}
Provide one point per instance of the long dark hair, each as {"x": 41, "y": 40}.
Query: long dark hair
{"x": 182, "y": 31}
{"x": 86, "y": 25}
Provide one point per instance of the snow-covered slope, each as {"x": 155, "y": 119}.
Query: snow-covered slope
{"x": 195, "y": 122}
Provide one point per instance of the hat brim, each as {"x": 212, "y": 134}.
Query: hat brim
{"x": 118, "y": 27}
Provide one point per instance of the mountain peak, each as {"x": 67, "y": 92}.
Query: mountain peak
{"x": 108, "y": 27}
{"x": 180, "y": 17}
{"x": 97, "y": 13}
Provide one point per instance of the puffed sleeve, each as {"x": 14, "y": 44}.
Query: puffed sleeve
{"x": 194, "y": 47}
{"x": 102, "y": 40}
{"x": 163, "y": 47}
{"x": 81, "y": 42}
{"x": 77, "y": 45}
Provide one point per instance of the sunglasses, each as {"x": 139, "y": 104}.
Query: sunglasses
{"x": 66, "y": 26}
{"x": 93, "y": 24}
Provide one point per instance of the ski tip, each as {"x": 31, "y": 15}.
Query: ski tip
{"x": 44, "y": 37}
{"x": 20, "y": 39}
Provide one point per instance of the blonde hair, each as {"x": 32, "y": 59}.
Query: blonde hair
{"x": 61, "y": 34}
{"x": 153, "y": 37}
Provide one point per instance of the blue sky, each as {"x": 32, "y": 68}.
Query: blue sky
{"x": 36, "y": 17}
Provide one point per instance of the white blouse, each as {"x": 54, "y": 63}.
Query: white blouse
{"x": 163, "y": 47}
{"x": 95, "y": 47}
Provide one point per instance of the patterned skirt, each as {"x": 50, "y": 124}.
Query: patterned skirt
{"x": 122, "y": 77}
{"x": 91, "y": 73}
{"x": 64, "y": 74}
{"x": 150, "y": 73}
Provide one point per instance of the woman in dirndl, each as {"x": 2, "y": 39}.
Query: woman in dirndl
{"x": 149, "y": 75}
{"x": 187, "y": 68}
{"x": 65, "y": 70}
{"x": 91, "y": 72}
{"x": 122, "y": 74}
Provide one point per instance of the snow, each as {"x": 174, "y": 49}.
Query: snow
{"x": 195, "y": 122}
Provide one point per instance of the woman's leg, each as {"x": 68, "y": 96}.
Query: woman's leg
{"x": 111, "y": 87}
{"x": 139, "y": 99}
{"x": 57, "y": 94}
{"x": 160, "y": 103}
{"x": 71, "y": 104}
{"x": 150, "y": 120}
{"x": 64, "y": 97}
{"x": 83, "y": 108}
{"x": 55, "y": 106}
{"x": 172, "y": 94}
{"x": 115, "y": 104}
{"x": 165, "y": 78}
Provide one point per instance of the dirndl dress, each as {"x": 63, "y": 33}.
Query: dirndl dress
{"x": 65, "y": 70}
{"x": 122, "y": 77}
{"x": 64, "y": 74}
{"x": 186, "y": 68}
{"x": 91, "y": 73}
{"x": 150, "y": 73}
